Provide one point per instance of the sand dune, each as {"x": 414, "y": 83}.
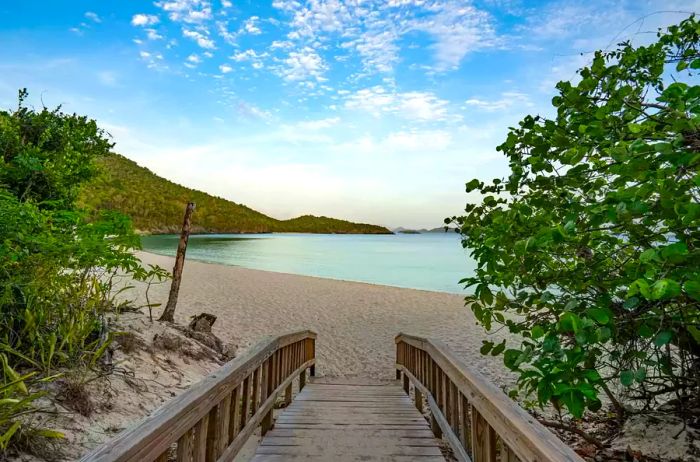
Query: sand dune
{"x": 356, "y": 322}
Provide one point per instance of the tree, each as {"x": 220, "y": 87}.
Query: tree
{"x": 589, "y": 250}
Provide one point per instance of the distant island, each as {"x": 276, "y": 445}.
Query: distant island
{"x": 156, "y": 206}
{"x": 439, "y": 229}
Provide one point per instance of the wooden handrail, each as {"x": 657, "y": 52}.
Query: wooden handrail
{"x": 214, "y": 418}
{"x": 475, "y": 416}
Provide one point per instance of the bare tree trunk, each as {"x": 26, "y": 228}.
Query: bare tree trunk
{"x": 169, "y": 312}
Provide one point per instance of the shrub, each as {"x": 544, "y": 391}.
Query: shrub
{"x": 60, "y": 270}
{"x": 590, "y": 249}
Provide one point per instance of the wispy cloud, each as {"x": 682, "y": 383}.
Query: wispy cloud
{"x": 507, "y": 100}
{"x": 201, "y": 39}
{"x": 420, "y": 106}
{"x": 93, "y": 17}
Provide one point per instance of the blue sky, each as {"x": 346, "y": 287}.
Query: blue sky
{"x": 375, "y": 111}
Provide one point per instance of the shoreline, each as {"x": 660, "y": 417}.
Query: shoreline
{"x": 356, "y": 321}
{"x": 209, "y": 262}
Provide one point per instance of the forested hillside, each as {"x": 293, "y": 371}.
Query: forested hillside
{"x": 156, "y": 205}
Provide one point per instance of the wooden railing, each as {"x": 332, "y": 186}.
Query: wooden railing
{"x": 475, "y": 417}
{"x": 213, "y": 419}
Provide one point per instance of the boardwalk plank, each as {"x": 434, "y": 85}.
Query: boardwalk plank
{"x": 343, "y": 422}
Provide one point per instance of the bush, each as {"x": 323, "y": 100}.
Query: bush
{"x": 59, "y": 268}
{"x": 590, "y": 249}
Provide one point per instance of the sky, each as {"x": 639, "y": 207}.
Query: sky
{"x": 376, "y": 111}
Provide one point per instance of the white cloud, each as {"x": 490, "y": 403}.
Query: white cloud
{"x": 153, "y": 34}
{"x": 458, "y": 29}
{"x": 373, "y": 29}
{"x": 228, "y": 36}
{"x": 144, "y": 20}
{"x": 418, "y": 141}
{"x": 194, "y": 59}
{"x": 226, "y": 4}
{"x": 255, "y": 59}
{"x": 225, "y": 68}
{"x": 202, "y": 40}
{"x": 250, "y": 26}
{"x": 189, "y": 11}
{"x": 507, "y": 100}
{"x": 93, "y": 17}
{"x": 280, "y": 44}
{"x": 318, "y": 124}
{"x": 303, "y": 65}
{"x": 413, "y": 105}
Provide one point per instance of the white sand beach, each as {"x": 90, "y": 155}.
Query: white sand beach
{"x": 356, "y": 322}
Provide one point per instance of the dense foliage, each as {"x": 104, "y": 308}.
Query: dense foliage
{"x": 590, "y": 249}
{"x": 156, "y": 205}
{"x": 57, "y": 269}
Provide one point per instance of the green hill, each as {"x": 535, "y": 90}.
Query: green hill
{"x": 156, "y": 206}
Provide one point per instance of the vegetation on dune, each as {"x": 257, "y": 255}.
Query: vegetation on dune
{"x": 156, "y": 205}
{"x": 590, "y": 249}
{"x": 56, "y": 267}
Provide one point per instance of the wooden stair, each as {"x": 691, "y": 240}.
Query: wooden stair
{"x": 348, "y": 422}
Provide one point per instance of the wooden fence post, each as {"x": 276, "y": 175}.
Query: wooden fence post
{"x": 169, "y": 312}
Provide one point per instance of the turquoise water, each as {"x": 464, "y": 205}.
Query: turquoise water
{"x": 434, "y": 261}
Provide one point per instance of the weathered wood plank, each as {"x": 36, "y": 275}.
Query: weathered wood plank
{"x": 184, "y": 447}
{"x": 350, "y": 422}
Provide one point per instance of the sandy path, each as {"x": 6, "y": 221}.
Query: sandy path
{"x": 356, "y": 322}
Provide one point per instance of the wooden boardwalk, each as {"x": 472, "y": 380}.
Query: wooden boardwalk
{"x": 344, "y": 422}
{"x": 338, "y": 421}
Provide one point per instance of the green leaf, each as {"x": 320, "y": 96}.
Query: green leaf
{"x": 627, "y": 378}
{"x": 537, "y": 332}
{"x": 648, "y": 255}
{"x": 665, "y": 289}
{"x": 510, "y": 359}
{"x": 631, "y": 303}
{"x": 674, "y": 250}
{"x": 662, "y": 338}
{"x": 574, "y": 402}
{"x": 634, "y": 128}
{"x": 498, "y": 349}
{"x": 692, "y": 288}
{"x": 640, "y": 286}
{"x": 569, "y": 322}
{"x": 599, "y": 315}
{"x": 486, "y": 347}
{"x": 472, "y": 185}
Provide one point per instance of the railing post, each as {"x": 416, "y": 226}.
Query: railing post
{"x": 288, "y": 395}
{"x": 302, "y": 380}
{"x": 405, "y": 383}
{"x": 310, "y": 353}
{"x": 419, "y": 399}
{"x": 267, "y": 420}
{"x": 435, "y": 427}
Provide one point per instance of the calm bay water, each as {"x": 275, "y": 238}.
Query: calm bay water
{"x": 434, "y": 261}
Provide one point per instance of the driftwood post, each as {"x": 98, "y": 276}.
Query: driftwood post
{"x": 169, "y": 313}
